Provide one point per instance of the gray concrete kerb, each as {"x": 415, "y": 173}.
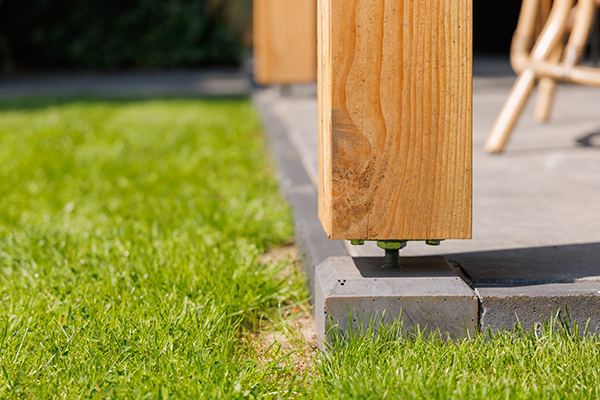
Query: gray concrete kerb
{"x": 424, "y": 293}
{"x": 526, "y": 306}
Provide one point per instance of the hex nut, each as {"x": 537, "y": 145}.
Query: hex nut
{"x": 391, "y": 244}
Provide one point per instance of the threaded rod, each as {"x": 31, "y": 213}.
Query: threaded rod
{"x": 392, "y": 258}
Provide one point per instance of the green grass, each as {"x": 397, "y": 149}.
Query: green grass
{"x": 130, "y": 236}
{"x": 550, "y": 362}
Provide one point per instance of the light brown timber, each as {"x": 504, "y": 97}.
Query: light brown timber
{"x": 395, "y": 119}
{"x": 285, "y": 41}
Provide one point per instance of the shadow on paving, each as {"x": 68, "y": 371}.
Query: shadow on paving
{"x": 372, "y": 267}
{"x": 576, "y": 263}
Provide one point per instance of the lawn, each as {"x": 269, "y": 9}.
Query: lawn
{"x": 132, "y": 242}
{"x": 129, "y": 236}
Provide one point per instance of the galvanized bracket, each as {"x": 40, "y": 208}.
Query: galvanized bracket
{"x": 392, "y": 248}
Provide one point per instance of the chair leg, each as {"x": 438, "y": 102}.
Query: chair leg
{"x": 545, "y": 99}
{"x": 546, "y": 88}
{"x": 510, "y": 112}
{"x": 546, "y": 42}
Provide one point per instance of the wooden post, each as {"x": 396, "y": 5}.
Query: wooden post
{"x": 395, "y": 119}
{"x": 285, "y": 41}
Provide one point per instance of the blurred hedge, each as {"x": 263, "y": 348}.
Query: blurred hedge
{"x": 112, "y": 34}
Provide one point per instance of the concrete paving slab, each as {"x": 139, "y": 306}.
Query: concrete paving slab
{"x": 424, "y": 293}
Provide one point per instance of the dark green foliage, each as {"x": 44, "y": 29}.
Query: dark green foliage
{"x": 111, "y": 34}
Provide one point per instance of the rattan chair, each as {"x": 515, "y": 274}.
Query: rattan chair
{"x": 539, "y": 52}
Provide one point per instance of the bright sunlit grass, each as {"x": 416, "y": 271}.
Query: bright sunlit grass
{"x": 553, "y": 361}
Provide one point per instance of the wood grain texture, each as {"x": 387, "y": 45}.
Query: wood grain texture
{"x": 285, "y": 41}
{"x": 395, "y": 118}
